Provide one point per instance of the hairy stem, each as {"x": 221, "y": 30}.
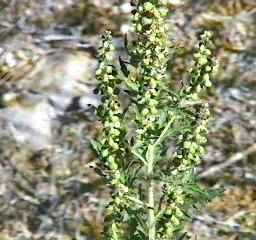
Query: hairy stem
{"x": 151, "y": 200}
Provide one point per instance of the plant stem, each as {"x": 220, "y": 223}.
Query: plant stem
{"x": 151, "y": 200}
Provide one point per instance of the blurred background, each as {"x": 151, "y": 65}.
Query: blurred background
{"x": 47, "y": 62}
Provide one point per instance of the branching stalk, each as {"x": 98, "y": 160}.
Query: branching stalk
{"x": 134, "y": 167}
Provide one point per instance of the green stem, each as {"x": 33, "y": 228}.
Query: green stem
{"x": 161, "y": 137}
{"x": 151, "y": 201}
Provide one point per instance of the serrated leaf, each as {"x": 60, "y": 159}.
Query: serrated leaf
{"x": 196, "y": 188}
{"x": 213, "y": 193}
{"x": 138, "y": 219}
{"x": 134, "y": 86}
{"x": 205, "y": 195}
{"x": 189, "y": 176}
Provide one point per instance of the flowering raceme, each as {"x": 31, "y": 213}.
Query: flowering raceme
{"x": 152, "y": 192}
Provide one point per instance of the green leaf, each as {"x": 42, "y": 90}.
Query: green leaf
{"x": 139, "y": 156}
{"x": 196, "y": 188}
{"x": 95, "y": 145}
{"x": 189, "y": 176}
{"x": 186, "y": 216}
{"x": 141, "y": 230}
{"x": 136, "y": 217}
{"x": 164, "y": 132}
{"x": 205, "y": 195}
{"x": 213, "y": 193}
{"x": 134, "y": 60}
{"x": 162, "y": 120}
{"x": 126, "y": 217}
{"x": 134, "y": 86}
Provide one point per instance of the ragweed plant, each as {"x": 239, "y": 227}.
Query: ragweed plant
{"x": 153, "y": 189}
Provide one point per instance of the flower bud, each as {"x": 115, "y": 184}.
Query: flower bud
{"x": 109, "y": 69}
{"x": 202, "y": 60}
{"x": 105, "y": 153}
{"x": 148, "y": 6}
{"x": 187, "y": 144}
{"x": 114, "y": 118}
{"x": 208, "y": 83}
{"x": 145, "y": 112}
{"x": 153, "y": 110}
{"x": 208, "y": 52}
{"x": 175, "y": 220}
{"x": 146, "y": 21}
